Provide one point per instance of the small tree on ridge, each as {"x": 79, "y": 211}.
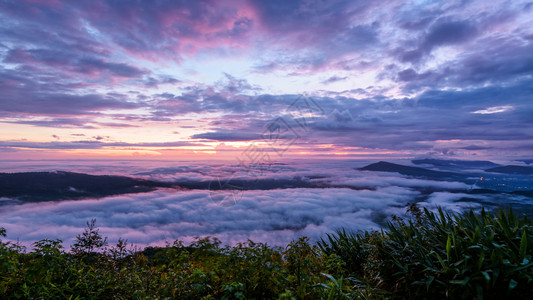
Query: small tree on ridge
{"x": 90, "y": 240}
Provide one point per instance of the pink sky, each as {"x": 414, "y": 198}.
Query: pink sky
{"x": 207, "y": 80}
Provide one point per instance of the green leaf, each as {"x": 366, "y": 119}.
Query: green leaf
{"x": 442, "y": 262}
{"x": 449, "y": 248}
{"x": 486, "y": 275}
{"x": 480, "y": 260}
{"x": 329, "y": 276}
{"x": 322, "y": 285}
{"x": 429, "y": 281}
{"x": 522, "y": 267}
{"x": 461, "y": 282}
{"x": 523, "y": 246}
{"x": 512, "y": 284}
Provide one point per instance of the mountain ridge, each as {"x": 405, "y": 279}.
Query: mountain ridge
{"x": 384, "y": 166}
{"x": 62, "y": 185}
{"x": 512, "y": 169}
{"x": 483, "y": 164}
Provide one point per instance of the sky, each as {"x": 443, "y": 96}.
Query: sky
{"x": 259, "y": 81}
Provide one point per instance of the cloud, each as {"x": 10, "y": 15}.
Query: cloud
{"x": 139, "y": 27}
{"x": 410, "y": 124}
{"x": 89, "y": 144}
{"x": 275, "y": 216}
{"x": 66, "y": 61}
{"x": 21, "y": 93}
{"x": 349, "y": 198}
{"x": 170, "y": 26}
{"x": 417, "y": 79}
{"x": 333, "y": 79}
{"x": 227, "y": 136}
{"x": 510, "y": 60}
{"x": 451, "y": 201}
{"x": 83, "y": 122}
{"x": 270, "y": 216}
{"x": 361, "y": 180}
{"x": 155, "y": 82}
{"x": 442, "y": 33}
{"x": 494, "y": 110}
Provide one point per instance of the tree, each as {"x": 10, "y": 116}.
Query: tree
{"x": 90, "y": 240}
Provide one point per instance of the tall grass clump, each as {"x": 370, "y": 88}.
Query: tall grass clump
{"x": 442, "y": 255}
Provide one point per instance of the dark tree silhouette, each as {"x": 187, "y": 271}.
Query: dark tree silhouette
{"x": 90, "y": 240}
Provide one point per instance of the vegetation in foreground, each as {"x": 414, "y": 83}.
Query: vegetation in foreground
{"x": 431, "y": 255}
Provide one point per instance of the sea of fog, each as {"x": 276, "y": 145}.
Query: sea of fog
{"x": 349, "y": 198}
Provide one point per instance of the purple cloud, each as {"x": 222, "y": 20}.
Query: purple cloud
{"x": 442, "y": 33}
{"x": 89, "y": 144}
{"x": 65, "y": 64}
{"x": 227, "y": 136}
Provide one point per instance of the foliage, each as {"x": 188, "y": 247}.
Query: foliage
{"x": 440, "y": 255}
{"x": 90, "y": 240}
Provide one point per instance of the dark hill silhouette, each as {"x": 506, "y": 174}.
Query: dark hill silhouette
{"x": 512, "y": 170}
{"x": 384, "y": 166}
{"x": 483, "y": 164}
{"x": 59, "y": 185}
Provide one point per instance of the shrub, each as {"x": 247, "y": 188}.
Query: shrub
{"x": 90, "y": 240}
{"x": 443, "y": 255}
{"x": 432, "y": 255}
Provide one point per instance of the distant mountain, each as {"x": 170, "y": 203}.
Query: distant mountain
{"x": 524, "y": 193}
{"x": 383, "y": 166}
{"x": 171, "y": 171}
{"x": 512, "y": 170}
{"x": 527, "y": 161}
{"x": 482, "y": 164}
{"x": 251, "y": 184}
{"x": 59, "y": 185}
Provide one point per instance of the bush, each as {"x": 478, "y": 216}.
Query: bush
{"x": 442, "y": 255}
{"x": 431, "y": 255}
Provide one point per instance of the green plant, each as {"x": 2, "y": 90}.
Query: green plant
{"x": 431, "y": 255}
{"x": 336, "y": 288}
{"x": 354, "y": 249}
{"x": 470, "y": 255}
{"x": 90, "y": 240}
